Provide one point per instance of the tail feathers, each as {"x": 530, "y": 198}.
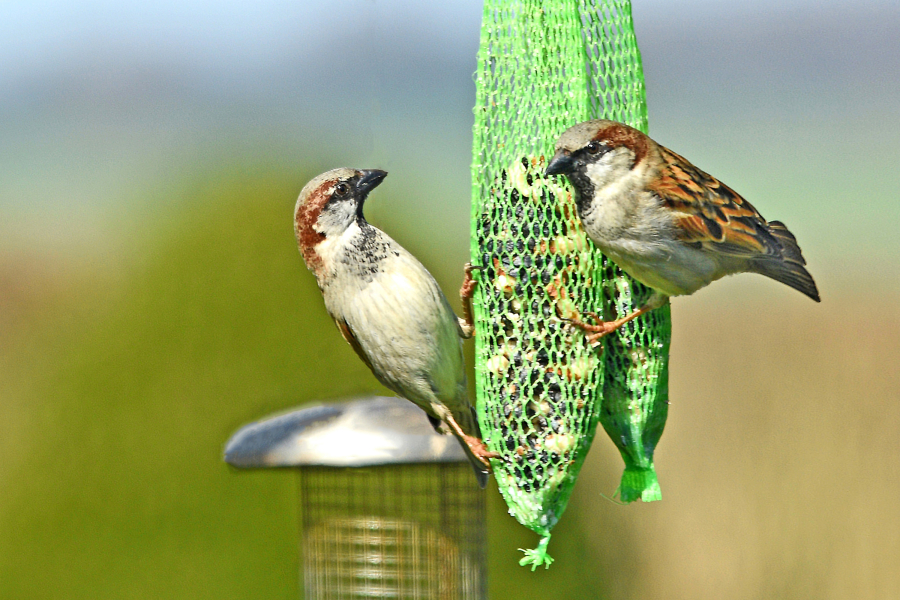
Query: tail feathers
{"x": 788, "y": 242}
{"x": 789, "y": 268}
{"x": 481, "y": 472}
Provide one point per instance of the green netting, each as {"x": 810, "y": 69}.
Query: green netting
{"x": 542, "y": 67}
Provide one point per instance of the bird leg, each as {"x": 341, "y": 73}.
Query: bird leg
{"x": 479, "y": 450}
{"x": 602, "y": 328}
{"x": 467, "y": 321}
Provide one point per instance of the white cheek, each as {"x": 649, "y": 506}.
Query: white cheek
{"x": 598, "y": 172}
{"x": 336, "y": 218}
{"x": 334, "y": 245}
{"x": 327, "y": 248}
{"x": 613, "y": 174}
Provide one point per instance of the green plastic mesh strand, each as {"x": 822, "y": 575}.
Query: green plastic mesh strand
{"x": 544, "y": 65}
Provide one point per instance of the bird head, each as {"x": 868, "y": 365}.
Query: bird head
{"x": 596, "y": 153}
{"x": 329, "y": 204}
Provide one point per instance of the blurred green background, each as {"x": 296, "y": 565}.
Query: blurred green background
{"x": 152, "y": 299}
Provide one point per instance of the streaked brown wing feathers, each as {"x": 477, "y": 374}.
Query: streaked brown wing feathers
{"x": 709, "y": 213}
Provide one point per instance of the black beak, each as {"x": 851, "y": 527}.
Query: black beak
{"x": 560, "y": 164}
{"x": 369, "y": 180}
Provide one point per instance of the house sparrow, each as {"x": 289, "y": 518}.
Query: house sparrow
{"x": 665, "y": 222}
{"x": 387, "y": 305}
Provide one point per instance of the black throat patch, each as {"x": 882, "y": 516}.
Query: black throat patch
{"x": 584, "y": 190}
{"x": 366, "y": 252}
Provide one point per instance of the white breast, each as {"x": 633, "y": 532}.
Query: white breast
{"x": 631, "y": 226}
{"x": 405, "y": 327}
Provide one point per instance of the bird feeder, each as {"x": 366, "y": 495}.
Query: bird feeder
{"x": 543, "y": 66}
{"x": 388, "y": 507}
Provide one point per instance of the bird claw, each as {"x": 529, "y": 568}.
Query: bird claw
{"x": 466, "y": 291}
{"x": 480, "y": 451}
{"x": 469, "y": 283}
{"x": 476, "y": 445}
{"x": 603, "y": 328}
{"x": 597, "y": 331}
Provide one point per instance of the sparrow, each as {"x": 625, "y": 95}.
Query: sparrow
{"x": 665, "y": 222}
{"x": 387, "y": 306}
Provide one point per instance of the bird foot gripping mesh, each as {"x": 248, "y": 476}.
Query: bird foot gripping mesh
{"x": 544, "y": 65}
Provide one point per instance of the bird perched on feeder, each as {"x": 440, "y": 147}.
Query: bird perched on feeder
{"x": 665, "y": 222}
{"x": 387, "y": 305}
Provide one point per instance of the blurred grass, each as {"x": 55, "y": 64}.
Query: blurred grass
{"x": 122, "y": 399}
{"x": 779, "y": 466}
{"x": 122, "y": 380}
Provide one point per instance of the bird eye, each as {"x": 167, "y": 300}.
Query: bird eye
{"x": 341, "y": 189}
{"x": 594, "y": 147}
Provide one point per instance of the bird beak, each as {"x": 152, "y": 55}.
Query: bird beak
{"x": 369, "y": 180}
{"x": 561, "y": 163}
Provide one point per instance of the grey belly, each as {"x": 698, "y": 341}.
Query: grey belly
{"x": 671, "y": 269}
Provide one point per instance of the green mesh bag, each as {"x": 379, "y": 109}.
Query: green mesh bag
{"x": 544, "y": 65}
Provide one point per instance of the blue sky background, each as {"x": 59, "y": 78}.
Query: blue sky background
{"x": 795, "y": 104}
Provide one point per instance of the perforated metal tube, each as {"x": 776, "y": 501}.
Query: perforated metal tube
{"x": 405, "y": 532}
{"x": 388, "y": 508}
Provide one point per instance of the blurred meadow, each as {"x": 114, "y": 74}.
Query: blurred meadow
{"x": 152, "y": 299}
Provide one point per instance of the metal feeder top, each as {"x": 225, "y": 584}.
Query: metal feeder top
{"x": 364, "y": 432}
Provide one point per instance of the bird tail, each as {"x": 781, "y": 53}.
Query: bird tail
{"x": 469, "y": 424}
{"x": 789, "y": 268}
{"x": 481, "y": 473}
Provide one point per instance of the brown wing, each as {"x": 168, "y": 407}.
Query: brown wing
{"x": 710, "y": 214}
{"x": 354, "y": 343}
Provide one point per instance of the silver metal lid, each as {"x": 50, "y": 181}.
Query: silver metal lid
{"x": 364, "y": 432}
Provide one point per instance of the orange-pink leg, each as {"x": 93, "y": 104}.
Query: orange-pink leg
{"x": 603, "y": 328}
{"x": 479, "y": 450}
{"x": 466, "y": 291}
